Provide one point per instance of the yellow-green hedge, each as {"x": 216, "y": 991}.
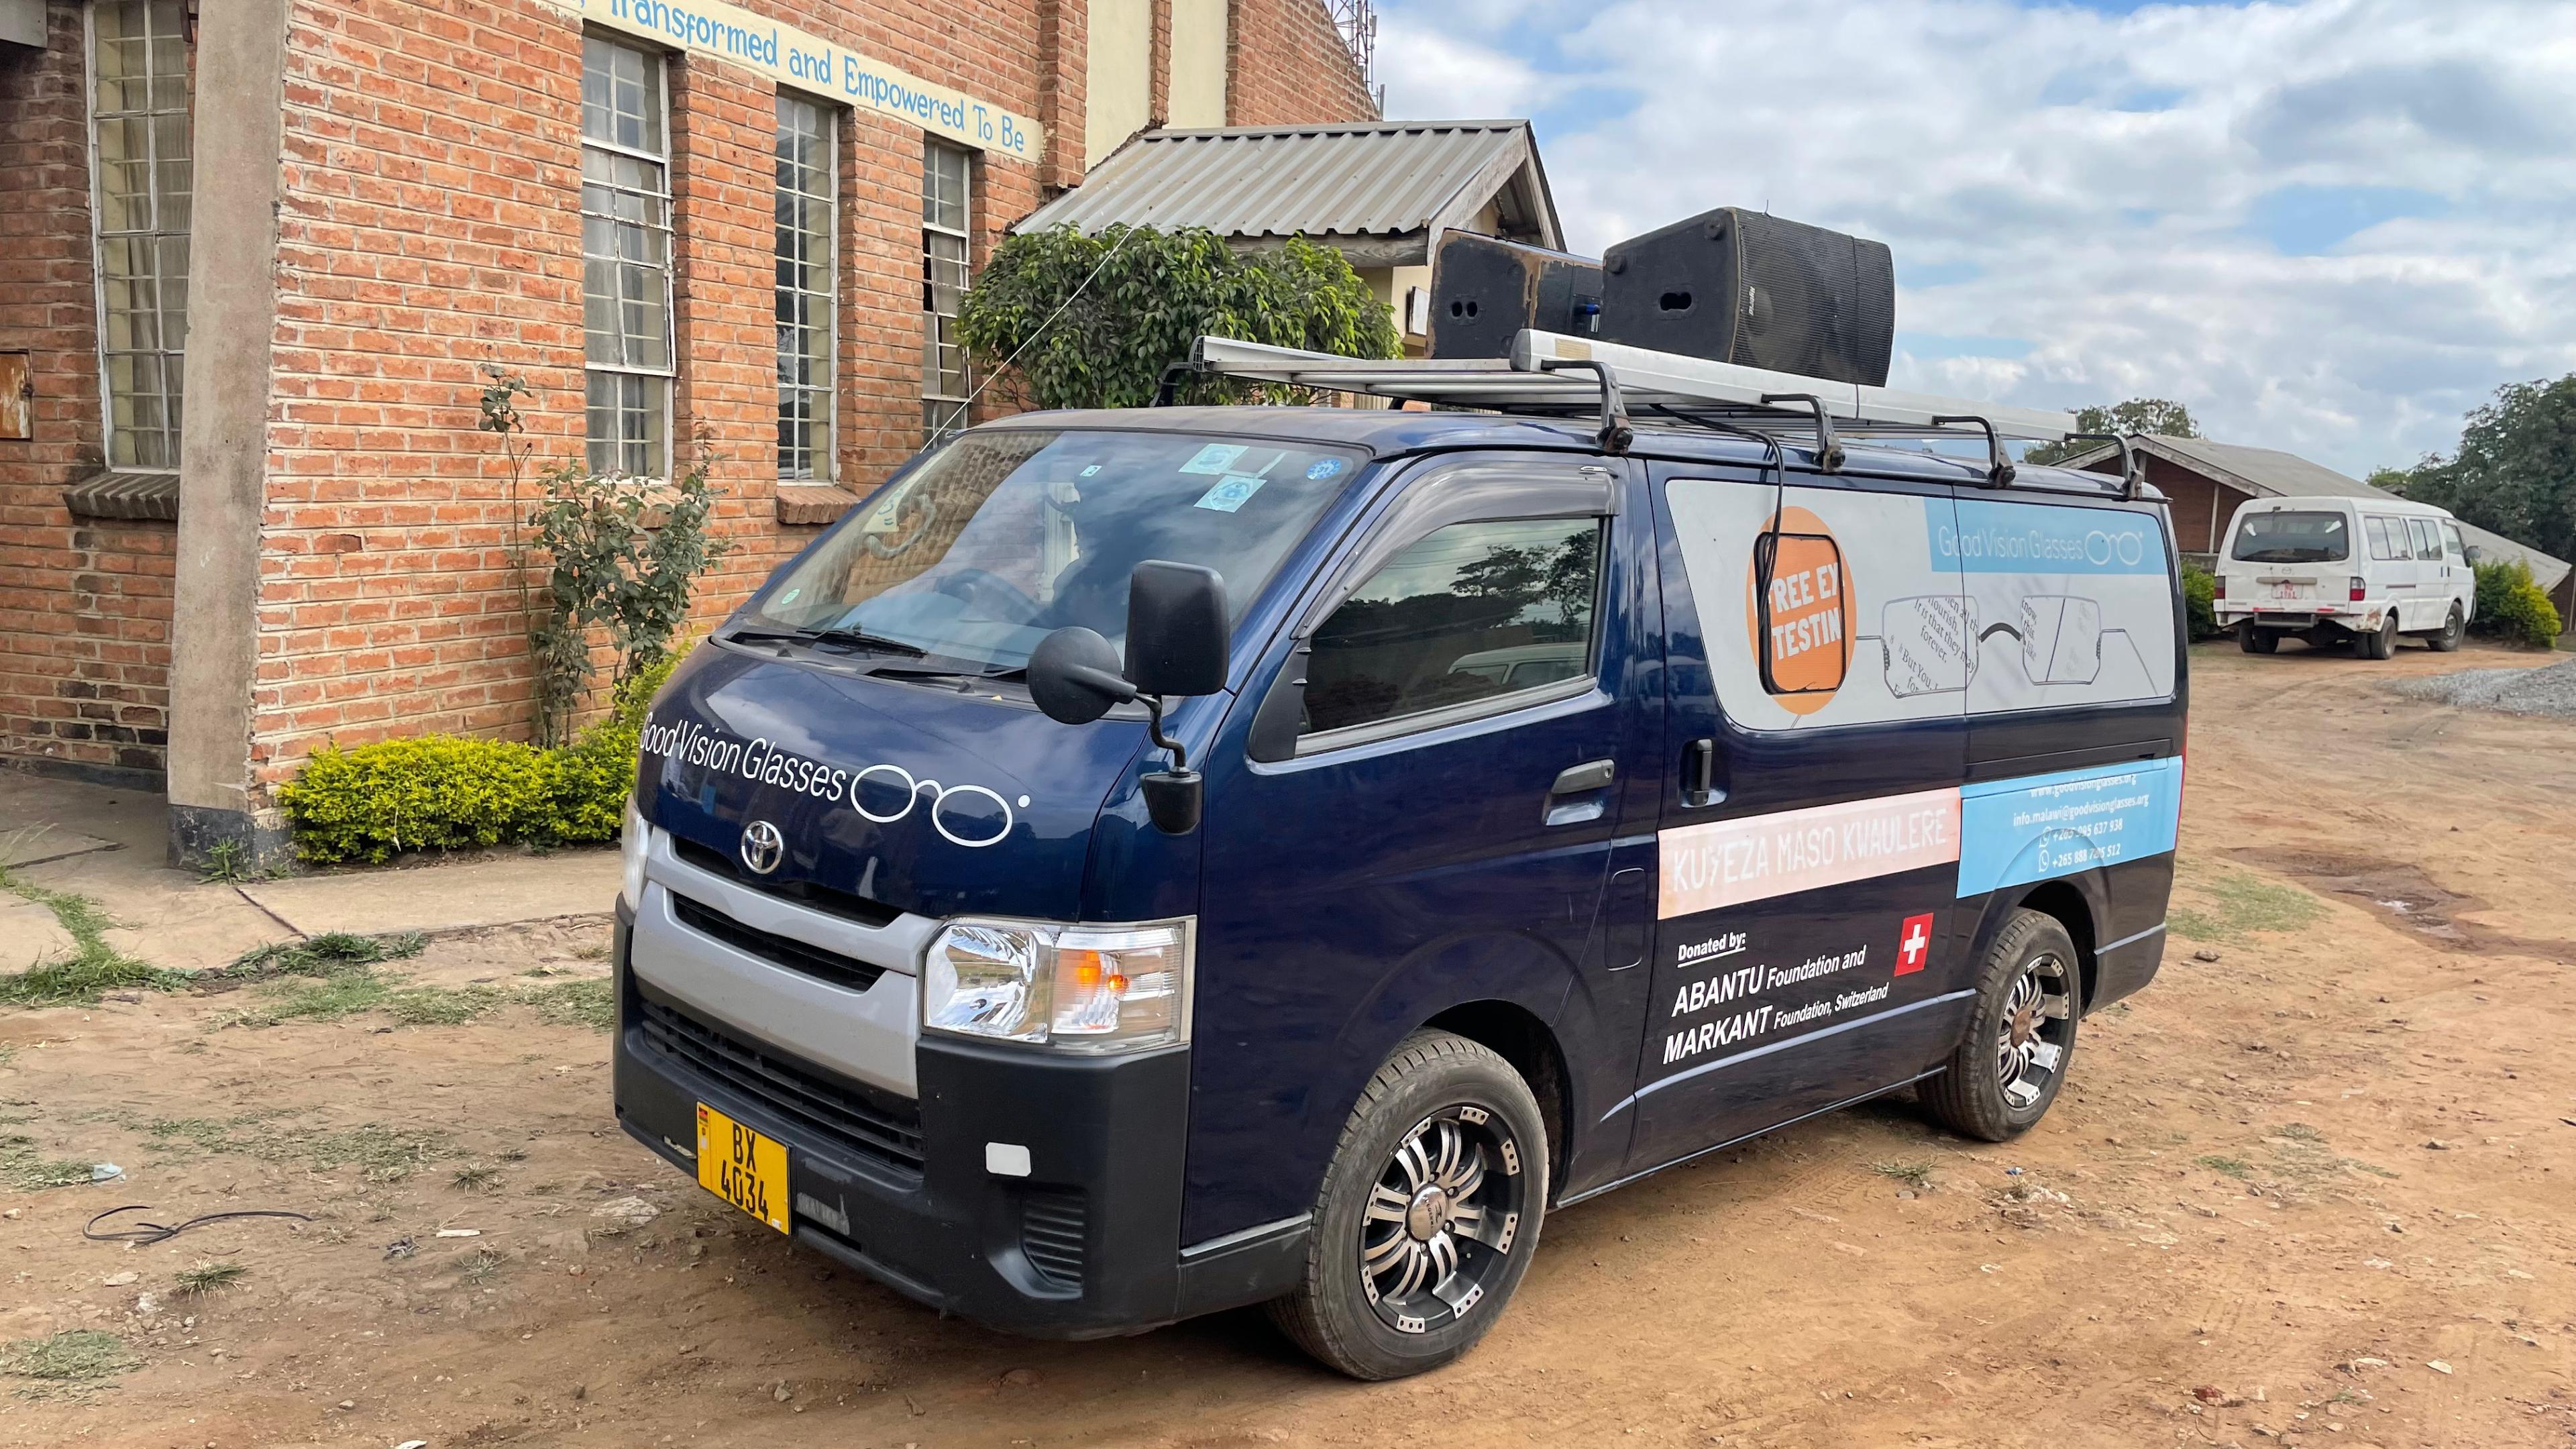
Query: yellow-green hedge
{"x": 452, "y": 792}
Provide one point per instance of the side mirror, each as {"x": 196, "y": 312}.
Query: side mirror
{"x": 1073, "y": 676}
{"x": 1177, "y": 638}
{"x": 1177, "y": 635}
{"x": 2472, "y": 553}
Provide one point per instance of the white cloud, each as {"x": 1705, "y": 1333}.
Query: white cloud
{"x": 2095, "y": 178}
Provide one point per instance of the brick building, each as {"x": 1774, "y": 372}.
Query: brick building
{"x": 678, "y": 219}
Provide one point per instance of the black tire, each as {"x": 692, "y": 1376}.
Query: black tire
{"x": 1339, "y": 1313}
{"x": 2257, "y": 641}
{"x": 2381, "y": 644}
{"x": 2452, "y": 628}
{"x": 1973, "y": 1096}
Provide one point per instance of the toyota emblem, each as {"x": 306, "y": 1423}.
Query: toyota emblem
{"x": 762, "y": 847}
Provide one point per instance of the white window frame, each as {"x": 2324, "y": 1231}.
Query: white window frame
{"x": 173, "y": 360}
{"x": 821, "y": 465}
{"x": 664, "y": 377}
{"x": 945, "y": 413}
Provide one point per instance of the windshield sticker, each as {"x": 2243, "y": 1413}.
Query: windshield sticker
{"x": 1092, "y": 471}
{"x": 1323, "y": 468}
{"x": 1215, "y": 458}
{"x": 973, "y": 816}
{"x": 1230, "y": 493}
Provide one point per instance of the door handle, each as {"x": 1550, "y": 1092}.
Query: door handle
{"x": 1565, "y": 802}
{"x": 1592, "y": 775}
{"x": 1700, "y": 787}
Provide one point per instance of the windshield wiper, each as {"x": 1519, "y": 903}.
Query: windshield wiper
{"x": 851, "y": 638}
{"x": 966, "y": 676}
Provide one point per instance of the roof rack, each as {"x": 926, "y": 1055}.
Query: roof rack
{"x": 1556, "y": 375}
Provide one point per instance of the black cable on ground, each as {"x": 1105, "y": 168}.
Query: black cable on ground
{"x": 147, "y": 1234}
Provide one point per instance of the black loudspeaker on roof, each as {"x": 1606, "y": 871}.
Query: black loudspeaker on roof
{"x": 1484, "y": 291}
{"x": 1746, "y": 287}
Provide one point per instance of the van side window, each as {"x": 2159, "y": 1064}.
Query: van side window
{"x": 2377, "y": 528}
{"x": 2428, "y": 545}
{"x": 1473, "y": 611}
{"x": 2451, "y": 545}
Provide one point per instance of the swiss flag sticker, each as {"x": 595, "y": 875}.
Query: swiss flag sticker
{"x": 1914, "y": 944}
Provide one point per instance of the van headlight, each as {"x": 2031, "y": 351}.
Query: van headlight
{"x": 1075, "y": 988}
{"x": 632, "y": 839}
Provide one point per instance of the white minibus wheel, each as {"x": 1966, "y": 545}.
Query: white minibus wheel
{"x": 2452, "y": 628}
{"x": 2383, "y": 644}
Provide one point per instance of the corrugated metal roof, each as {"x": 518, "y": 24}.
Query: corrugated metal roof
{"x": 2271, "y": 473}
{"x": 1386, "y": 178}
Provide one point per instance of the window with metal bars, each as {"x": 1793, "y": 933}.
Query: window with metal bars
{"x": 808, "y": 184}
{"x": 946, "y": 173}
{"x": 626, "y": 257}
{"x": 144, "y": 172}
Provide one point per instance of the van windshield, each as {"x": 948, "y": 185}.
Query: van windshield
{"x": 1003, "y": 537}
{"x": 2292, "y": 537}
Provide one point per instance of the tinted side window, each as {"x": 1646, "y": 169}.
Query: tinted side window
{"x": 2377, "y": 528}
{"x": 1473, "y": 611}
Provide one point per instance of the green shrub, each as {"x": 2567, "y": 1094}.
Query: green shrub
{"x": 2200, "y": 602}
{"x": 2512, "y": 605}
{"x": 434, "y": 792}
{"x": 449, "y": 792}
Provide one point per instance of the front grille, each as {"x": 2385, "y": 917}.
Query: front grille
{"x": 873, "y": 914}
{"x": 1051, "y": 1232}
{"x": 876, "y": 1125}
{"x": 830, "y": 967}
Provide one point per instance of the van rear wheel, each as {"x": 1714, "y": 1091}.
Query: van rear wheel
{"x": 2452, "y": 628}
{"x": 2382, "y": 644}
{"x": 1428, "y": 1215}
{"x": 2256, "y": 641}
{"x": 2005, "y": 1072}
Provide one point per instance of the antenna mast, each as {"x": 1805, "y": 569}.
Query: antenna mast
{"x": 1357, "y": 22}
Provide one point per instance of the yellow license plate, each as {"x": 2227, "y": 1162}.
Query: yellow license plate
{"x": 742, "y": 1167}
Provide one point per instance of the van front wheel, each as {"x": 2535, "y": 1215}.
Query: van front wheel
{"x": 2021, "y": 1035}
{"x": 2452, "y": 628}
{"x": 1428, "y": 1216}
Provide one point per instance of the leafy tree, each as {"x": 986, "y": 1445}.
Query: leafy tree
{"x": 2515, "y": 471}
{"x": 1092, "y": 321}
{"x": 2154, "y": 416}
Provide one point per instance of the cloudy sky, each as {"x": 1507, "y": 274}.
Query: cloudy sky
{"x": 2330, "y": 227}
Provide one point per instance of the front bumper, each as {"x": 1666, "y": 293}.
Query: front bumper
{"x": 1086, "y": 1245}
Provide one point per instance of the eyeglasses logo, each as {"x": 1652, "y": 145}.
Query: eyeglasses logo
{"x": 978, "y": 831}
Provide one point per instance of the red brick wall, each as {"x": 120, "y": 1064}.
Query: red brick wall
{"x": 84, "y": 606}
{"x": 1287, "y": 64}
{"x": 429, "y": 224}
{"x": 432, "y": 222}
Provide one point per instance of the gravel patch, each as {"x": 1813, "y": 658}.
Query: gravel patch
{"x": 2547, "y": 690}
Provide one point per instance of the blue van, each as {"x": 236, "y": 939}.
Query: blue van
{"x": 1151, "y": 862}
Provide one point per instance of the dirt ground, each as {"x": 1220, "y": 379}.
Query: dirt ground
{"x": 2315, "y": 1186}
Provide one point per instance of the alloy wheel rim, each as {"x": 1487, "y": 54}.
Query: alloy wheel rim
{"x": 2038, "y": 1021}
{"x": 1437, "y": 1232}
